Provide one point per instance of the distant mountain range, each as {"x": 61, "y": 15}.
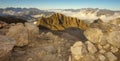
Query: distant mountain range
{"x": 88, "y": 14}
{"x": 24, "y": 13}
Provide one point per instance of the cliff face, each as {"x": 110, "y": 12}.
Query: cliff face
{"x": 60, "y": 22}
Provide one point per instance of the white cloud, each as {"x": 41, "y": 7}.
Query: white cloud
{"x": 88, "y": 15}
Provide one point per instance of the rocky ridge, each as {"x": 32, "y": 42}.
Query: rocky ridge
{"x": 59, "y": 21}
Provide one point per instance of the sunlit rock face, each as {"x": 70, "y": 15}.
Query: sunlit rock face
{"x": 93, "y": 34}
{"x": 60, "y": 22}
{"x": 100, "y": 47}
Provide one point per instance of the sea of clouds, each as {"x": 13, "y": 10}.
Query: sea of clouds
{"x": 87, "y": 15}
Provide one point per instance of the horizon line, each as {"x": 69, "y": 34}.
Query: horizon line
{"x": 62, "y": 8}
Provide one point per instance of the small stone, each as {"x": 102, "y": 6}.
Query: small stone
{"x": 107, "y": 46}
{"x": 78, "y": 50}
{"x": 90, "y": 57}
{"x": 101, "y": 57}
{"x": 114, "y": 49}
{"x": 111, "y": 56}
{"x": 29, "y": 59}
{"x": 70, "y": 58}
{"x": 91, "y": 47}
{"x": 49, "y": 34}
{"x": 42, "y": 33}
{"x": 103, "y": 40}
{"x": 102, "y": 51}
{"x": 99, "y": 46}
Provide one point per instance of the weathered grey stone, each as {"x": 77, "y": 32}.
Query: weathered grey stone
{"x": 6, "y": 45}
{"x": 78, "y": 50}
{"x": 91, "y": 47}
{"x": 93, "y": 34}
{"x": 114, "y": 38}
{"x": 111, "y": 56}
{"x": 19, "y": 33}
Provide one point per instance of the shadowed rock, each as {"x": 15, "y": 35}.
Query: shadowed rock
{"x": 10, "y": 20}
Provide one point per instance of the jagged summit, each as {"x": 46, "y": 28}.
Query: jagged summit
{"x": 59, "y": 21}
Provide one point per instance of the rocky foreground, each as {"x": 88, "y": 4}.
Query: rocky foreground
{"x": 24, "y": 41}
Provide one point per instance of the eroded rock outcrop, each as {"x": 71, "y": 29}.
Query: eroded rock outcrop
{"x": 60, "y": 22}
{"x": 100, "y": 46}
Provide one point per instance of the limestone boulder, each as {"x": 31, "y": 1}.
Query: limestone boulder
{"x": 114, "y": 38}
{"x": 93, "y": 34}
{"x": 102, "y": 57}
{"x": 78, "y": 50}
{"x": 91, "y": 47}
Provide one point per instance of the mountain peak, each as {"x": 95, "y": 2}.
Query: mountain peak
{"x": 59, "y": 21}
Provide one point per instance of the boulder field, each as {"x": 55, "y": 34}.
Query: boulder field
{"x": 59, "y": 38}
